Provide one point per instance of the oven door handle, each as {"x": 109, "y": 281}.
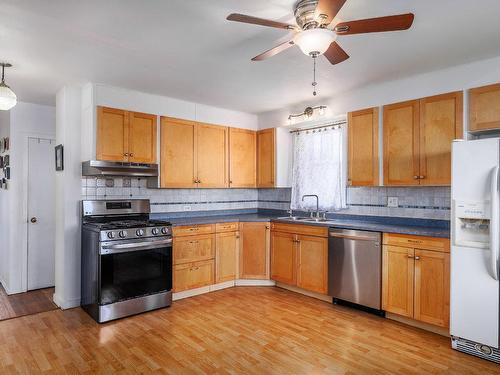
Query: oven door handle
{"x": 135, "y": 246}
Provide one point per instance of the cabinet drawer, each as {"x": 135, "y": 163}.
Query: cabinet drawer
{"x": 193, "y": 275}
{"x": 310, "y": 230}
{"x": 418, "y": 242}
{"x": 226, "y": 227}
{"x": 194, "y": 248}
{"x": 190, "y": 230}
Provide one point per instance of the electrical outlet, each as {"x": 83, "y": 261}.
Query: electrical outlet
{"x": 392, "y": 202}
{"x": 187, "y": 208}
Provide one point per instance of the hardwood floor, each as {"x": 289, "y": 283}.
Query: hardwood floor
{"x": 28, "y": 303}
{"x": 244, "y": 330}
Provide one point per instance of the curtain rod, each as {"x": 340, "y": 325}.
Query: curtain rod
{"x": 333, "y": 124}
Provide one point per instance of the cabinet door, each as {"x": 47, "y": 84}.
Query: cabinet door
{"x": 212, "y": 156}
{"x": 397, "y": 280}
{"x": 254, "y": 250}
{"x": 432, "y": 287}
{"x": 401, "y": 144}
{"x": 112, "y": 134}
{"x": 312, "y": 264}
{"x": 242, "y": 158}
{"x": 193, "y": 248}
{"x": 226, "y": 256}
{"x": 193, "y": 275}
{"x": 283, "y": 257}
{"x": 440, "y": 123}
{"x": 177, "y": 153}
{"x": 142, "y": 138}
{"x": 363, "y": 148}
{"x": 266, "y": 156}
{"x": 484, "y": 108}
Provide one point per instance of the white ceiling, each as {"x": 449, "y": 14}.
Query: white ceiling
{"x": 187, "y": 50}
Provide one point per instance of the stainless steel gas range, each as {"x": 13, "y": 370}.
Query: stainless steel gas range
{"x": 126, "y": 259}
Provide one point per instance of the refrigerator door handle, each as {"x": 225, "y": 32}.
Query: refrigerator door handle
{"x": 494, "y": 223}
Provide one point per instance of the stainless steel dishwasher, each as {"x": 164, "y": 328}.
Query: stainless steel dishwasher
{"x": 355, "y": 267}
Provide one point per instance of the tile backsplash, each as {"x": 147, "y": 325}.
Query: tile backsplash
{"x": 416, "y": 202}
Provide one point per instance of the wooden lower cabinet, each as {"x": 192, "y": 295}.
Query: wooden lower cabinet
{"x": 416, "y": 281}
{"x": 226, "y": 256}
{"x": 193, "y": 275}
{"x": 312, "y": 264}
{"x": 194, "y": 248}
{"x": 254, "y": 250}
{"x": 300, "y": 260}
{"x": 283, "y": 257}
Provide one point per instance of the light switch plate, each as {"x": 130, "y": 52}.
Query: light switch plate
{"x": 392, "y": 202}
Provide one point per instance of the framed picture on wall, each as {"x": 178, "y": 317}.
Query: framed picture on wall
{"x": 59, "y": 158}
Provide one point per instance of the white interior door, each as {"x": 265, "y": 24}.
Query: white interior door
{"x": 41, "y": 213}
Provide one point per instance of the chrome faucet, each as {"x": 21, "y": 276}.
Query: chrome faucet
{"x": 317, "y": 202}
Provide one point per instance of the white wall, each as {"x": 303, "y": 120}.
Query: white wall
{"x": 456, "y": 78}
{"x": 26, "y": 120}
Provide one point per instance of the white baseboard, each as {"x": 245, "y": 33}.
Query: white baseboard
{"x": 190, "y": 293}
{"x": 65, "y": 304}
{"x": 249, "y": 282}
{"x": 220, "y": 286}
{"x": 295, "y": 289}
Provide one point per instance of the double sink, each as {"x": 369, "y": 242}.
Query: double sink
{"x": 306, "y": 219}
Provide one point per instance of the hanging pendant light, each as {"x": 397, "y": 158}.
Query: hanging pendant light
{"x": 7, "y": 97}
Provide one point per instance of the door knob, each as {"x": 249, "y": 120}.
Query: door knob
{"x": 33, "y": 220}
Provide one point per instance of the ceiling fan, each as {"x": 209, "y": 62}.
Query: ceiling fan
{"x": 314, "y": 33}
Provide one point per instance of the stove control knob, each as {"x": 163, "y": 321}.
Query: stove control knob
{"x": 111, "y": 235}
{"x": 122, "y": 234}
{"x": 155, "y": 231}
{"x": 139, "y": 232}
{"x": 164, "y": 230}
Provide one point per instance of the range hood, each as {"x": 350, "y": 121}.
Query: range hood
{"x": 116, "y": 168}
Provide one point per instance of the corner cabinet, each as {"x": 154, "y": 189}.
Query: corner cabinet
{"x": 125, "y": 136}
{"x": 416, "y": 278}
{"x": 193, "y": 154}
{"x": 363, "y": 147}
{"x": 299, "y": 256}
{"x": 254, "y": 250}
{"x": 417, "y": 140}
{"x": 242, "y": 158}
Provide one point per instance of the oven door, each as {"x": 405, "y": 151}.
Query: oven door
{"x": 134, "y": 268}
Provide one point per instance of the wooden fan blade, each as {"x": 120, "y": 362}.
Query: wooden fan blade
{"x": 328, "y": 9}
{"x": 376, "y": 25}
{"x": 335, "y": 54}
{"x": 274, "y": 51}
{"x": 259, "y": 21}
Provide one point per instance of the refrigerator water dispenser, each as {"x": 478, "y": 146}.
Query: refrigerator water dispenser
{"x": 472, "y": 223}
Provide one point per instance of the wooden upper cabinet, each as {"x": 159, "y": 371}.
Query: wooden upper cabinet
{"x": 401, "y": 143}
{"x": 398, "y": 280}
{"x": 142, "y": 138}
{"x": 125, "y": 136}
{"x": 441, "y": 119}
{"x": 484, "y": 108}
{"x": 283, "y": 257}
{"x": 254, "y": 250}
{"x": 211, "y": 156}
{"x": 266, "y": 158}
{"x": 432, "y": 287}
{"x": 112, "y": 134}
{"x": 178, "y": 153}
{"x": 242, "y": 158}
{"x": 363, "y": 163}
{"x": 312, "y": 263}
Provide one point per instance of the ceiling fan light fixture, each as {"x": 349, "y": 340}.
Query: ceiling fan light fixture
{"x": 314, "y": 42}
{"x": 7, "y": 97}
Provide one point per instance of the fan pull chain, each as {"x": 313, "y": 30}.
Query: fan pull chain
{"x": 314, "y": 83}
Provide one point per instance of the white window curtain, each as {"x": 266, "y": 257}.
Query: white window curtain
{"x": 318, "y": 168}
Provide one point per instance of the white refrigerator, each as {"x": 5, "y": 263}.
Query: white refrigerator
{"x": 475, "y": 234}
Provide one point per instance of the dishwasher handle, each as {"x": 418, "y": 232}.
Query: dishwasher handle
{"x": 352, "y": 237}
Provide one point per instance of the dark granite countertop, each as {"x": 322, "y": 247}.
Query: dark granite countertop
{"x": 418, "y": 227}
